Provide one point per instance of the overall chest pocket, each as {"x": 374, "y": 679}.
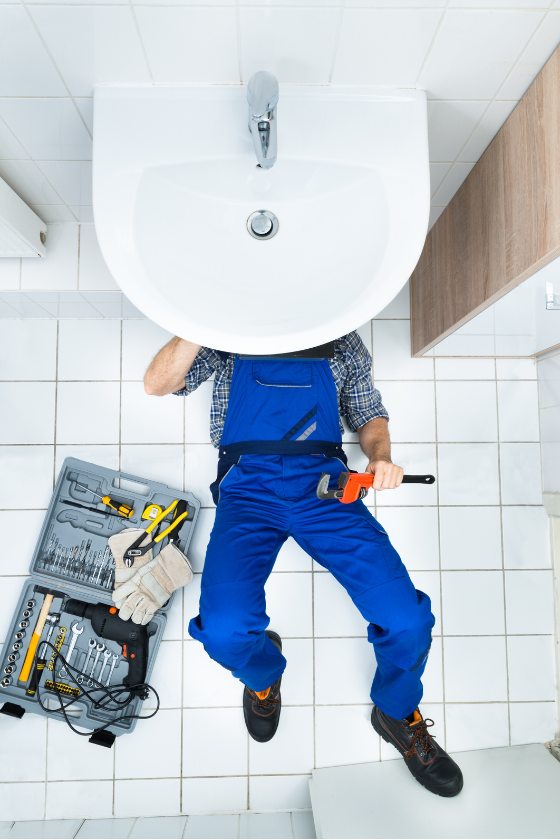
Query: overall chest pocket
{"x": 281, "y": 396}
{"x": 283, "y": 374}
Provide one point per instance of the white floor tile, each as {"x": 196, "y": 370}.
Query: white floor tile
{"x": 466, "y": 411}
{"x": 416, "y": 459}
{"x": 201, "y": 465}
{"x": 27, "y": 412}
{"x": 174, "y": 625}
{"x": 465, "y": 369}
{"x": 154, "y": 461}
{"x": 475, "y": 669}
{"x": 530, "y": 602}
{"x": 289, "y": 603}
{"x": 432, "y": 678}
{"x": 141, "y": 340}
{"x": 516, "y": 368}
{"x": 147, "y": 797}
{"x": 260, "y": 826}
{"x": 112, "y": 829}
{"x": 526, "y": 537}
{"x": 200, "y": 538}
{"x": 291, "y": 751}
{"x": 197, "y": 414}
{"x": 166, "y": 676}
{"x": 292, "y": 558}
{"x": 531, "y": 667}
{"x": 59, "y": 269}
{"x": 334, "y": 612}
{"x": 476, "y": 726}
{"x": 28, "y": 350}
{"x": 532, "y": 723}
{"x": 19, "y": 462}
{"x": 146, "y": 419}
{"x": 297, "y": 681}
{"x": 344, "y": 670}
{"x": 468, "y": 474}
{"x": 24, "y": 801}
{"x": 473, "y": 603}
{"x": 5, "y": 827}
{"x": 88, "y": 412}
{"x": 21, "y": 529}
{"x": 520, "y": 469}
{"x": 470, "y": 538}
{"x": 275, "y": 792}
{"x": 206, "y": 757}
{"x": 106, "y": 455}
{"x": 304, "y": 825}
{"x": 344, "y": 735}
{"x": 55, "y": 829}
{"x": 391, "y": 353}
{"x": 206, "y": 683}
{"x": 131, "y": 761}
{"x": 405, "y": 425}
{"x": 414, "y": 534}
{"x": 79, "y": 799}
{"x": 399, "y": 307}
{"x": 11, "y": 590}
{"x": 214, "y": 826}
{"x": 191, "y": 595}
{"x": 429, "y": 583}
{"x": 26, "y": 750}
{"x": 89, "y": 349}
{"x": 71, "y": 757}
{"x": 518, "y": 407}
{"x": 164, "y": 828}
{"x": 94, "y": 273}
{"x": 228, "y": 793}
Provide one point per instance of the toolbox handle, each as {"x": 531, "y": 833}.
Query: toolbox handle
{"x": 137, "y": 488}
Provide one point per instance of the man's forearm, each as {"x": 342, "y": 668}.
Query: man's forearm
{"x": 376, "y": 445}
{"x": 168, "y": 369}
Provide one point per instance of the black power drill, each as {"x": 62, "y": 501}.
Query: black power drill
{"x": 133, "y": 638}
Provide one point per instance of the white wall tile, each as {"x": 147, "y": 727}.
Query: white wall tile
{"x": 344, "y": 670}
{"x": 142, "y": 340}
{"x": 417, "y": 459}
{"x": 49, "y": 129}
{"x": 279, "y": 792}
{"x": 130, "y": 752}
{"x": 11, "y": 590}
{"x": 204, "y": 757}
{"x": 470, "y": 538}
{"x": 296, "y": 44}
{"x": 486, "y": 130}
{"x": 147, "y": 797}
{"x": 207, "y": 683}
{"x": 520, "y": 473}
{"x": 166, "y": 676}
{"x": 18, "y": 463}
{"x": 438, "y": 171}
{"x": 26, "y": 67}
{"x": 92, "y": 45}
{"x": 28, "y": 350}
{"x": 53, "y": 213}
{"x": 435, "y": 213}
{"x": 465, "y": 369}
{"x": 291, "y": 751}
{"x": 530, "y": 602}
{"x": 201, "y": 463}
{"x": 25, "y": 801}
{"x": 87, "y": 412}
{"x": 344, "y": 735}
{"x": 516, "y": 369}
{"x": 289, "y": 603}
{"x": 106, "y": 455}
{"x": 292, "y": 558}
{"x": 468, "y": 474}
{"x": 160, "y": 827}
{"x": 27, "y": 180}
{"x": 429, "y": 582}
{"x": 411, "y": 408}
{"x": 59, "y": 269}
{"x": 538, "y": 50}
{"x": 384, "y": 46}
{"x": 155, "y": 461}
{"x": 190, "y": 44}
{"x": 197, "y": 414}
{"x": 474, "y": 51}
{"x": 146, "y": 419}
{"x": 550, "y": 449}
{"x": 79, "y": 799}
{"x": 333, "y": 610}
{"x": 297, "y": 680}
{"x": 432, "y": 678}
{"x": 9, "y": 273}
{"x": 450, "y": 123}
{"x": 414, "y": 534}
{"x": 88, "y": 349}
{"x": 466, "y": 411}
{"x": 479, "y": 726}
{"x": 531, "y": 667}
{"x": 27, "y": 412}
{"x": 391, "y": 353}
{"x": 526, "y": 537}
{"x": 94, "y": 273}
{"x": 227, "y": 793}
{"x": 549, "y": 381}
{"x": 70, "y": 178}
{"x": 27, "y": 753}
{"x": 21, "y": 529}
{"x": 47, "y": 829}
{"x": 475, "y": 669}
{"x": 451, "y": 184}
{"x": 265, "y": 825}
{"x": 211, "y": 825}
{"x": 399, "y": 307}
{"x": 532, "y": 723}
{"x": 114, "y": 828}
{"x": 70, "y": 758}
{"x": 518, "y": 409}
{"x": 83, "y": 212}
{"x": 473, "y": 603}
{"x": 10, "y": 147}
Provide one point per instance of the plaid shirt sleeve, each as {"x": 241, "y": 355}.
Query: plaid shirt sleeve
{"x": 359, "y": 400}
{"x": 205, "y": 364}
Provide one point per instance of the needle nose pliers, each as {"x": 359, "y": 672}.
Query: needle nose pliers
{"x": 138, "y": 550}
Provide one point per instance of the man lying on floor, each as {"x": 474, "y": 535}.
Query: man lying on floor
{"x": 277, "y": 424}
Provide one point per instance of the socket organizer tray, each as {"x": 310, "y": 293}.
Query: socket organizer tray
{"x": 72, "y": 560}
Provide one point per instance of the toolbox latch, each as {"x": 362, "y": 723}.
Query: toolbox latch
{"x": 12, "y": 710}
{"x": 102, "y": 739}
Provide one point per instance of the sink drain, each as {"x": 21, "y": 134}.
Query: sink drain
{"x": 262, "y": 224}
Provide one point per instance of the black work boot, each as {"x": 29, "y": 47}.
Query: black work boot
{"x": 427, "y": 761}
{"x": 262, "y": 708}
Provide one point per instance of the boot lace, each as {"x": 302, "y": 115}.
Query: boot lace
{"x": 269, "y": 702}
{"x": 421, "y": 738}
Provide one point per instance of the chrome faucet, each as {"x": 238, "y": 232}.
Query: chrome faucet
{"x": 262, "y": 96}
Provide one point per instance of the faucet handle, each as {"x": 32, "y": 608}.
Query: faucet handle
{"x": 262, "y": 92}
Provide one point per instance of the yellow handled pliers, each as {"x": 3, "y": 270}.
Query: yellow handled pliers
{"x": 136, "y": 550}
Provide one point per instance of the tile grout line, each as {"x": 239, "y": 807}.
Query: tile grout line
{"x": 439, "y": 561}
{"x": 336, "y": 39}
{"x": 238, "y": 41}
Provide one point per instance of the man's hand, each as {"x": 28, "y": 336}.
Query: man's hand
{"x": 387, "y": 475}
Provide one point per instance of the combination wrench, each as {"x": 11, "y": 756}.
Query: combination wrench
{"x": 98, "y": 648}
{"x": 113, "y": 663}
{"x": 91, "y": 645}
{"x": 106, "y": 656}
{"x": 75, "y": 633}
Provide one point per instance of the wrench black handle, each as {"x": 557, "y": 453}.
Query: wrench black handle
{"x": 418, "y": 479}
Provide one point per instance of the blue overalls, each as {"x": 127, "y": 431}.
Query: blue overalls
{"x": 281, "y": 432}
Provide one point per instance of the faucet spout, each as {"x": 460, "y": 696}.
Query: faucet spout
{"x": 262, "y": 96}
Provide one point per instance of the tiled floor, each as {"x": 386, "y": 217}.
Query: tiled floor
{"x": 476, "y": 542}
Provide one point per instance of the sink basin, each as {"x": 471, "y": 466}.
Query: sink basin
{"x": 175, "y": 181}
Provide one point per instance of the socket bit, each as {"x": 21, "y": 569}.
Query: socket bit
{"x": 12, "y": 657}
{"x": 9, "y": 669}
{"x": 26, "y": 613}
{"x": 20, "y": 635}
{"x": 30, "y": 604}
{"x": 6, "y": 682}
{"x": 23, "y": 624}
{"x": 16, "y": 645}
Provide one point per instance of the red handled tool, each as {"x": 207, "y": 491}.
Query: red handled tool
{"x": 354, "y": 485}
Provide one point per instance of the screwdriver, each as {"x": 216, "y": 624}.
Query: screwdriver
{"x": 120, "y": 507}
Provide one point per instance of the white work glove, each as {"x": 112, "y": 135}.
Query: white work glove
{"x": 151, "y": 586}
{"x": 118, "y": 545}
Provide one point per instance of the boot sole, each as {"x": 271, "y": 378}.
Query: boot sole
{"x": 380, "y": 731}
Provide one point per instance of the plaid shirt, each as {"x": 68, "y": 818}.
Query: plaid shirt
{"x": 358, "y": 400}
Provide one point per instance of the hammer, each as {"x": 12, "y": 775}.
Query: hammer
{"x": 49, "y": 594}
{"x": 52, "y": 620}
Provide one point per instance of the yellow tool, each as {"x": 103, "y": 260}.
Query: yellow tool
{"x": 135, "y": 550}
{"x": 68, "y": 690}
{"x": 35, "y": 638}
{"x": 120, "y": 507}
{"x": 151, "y": 512}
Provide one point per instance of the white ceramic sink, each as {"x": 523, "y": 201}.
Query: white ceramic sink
{"x": 175, "y": 180}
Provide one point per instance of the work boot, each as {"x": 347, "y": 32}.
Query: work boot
{"x": 262, "y": 708}
{"x": 427, "y": 761}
